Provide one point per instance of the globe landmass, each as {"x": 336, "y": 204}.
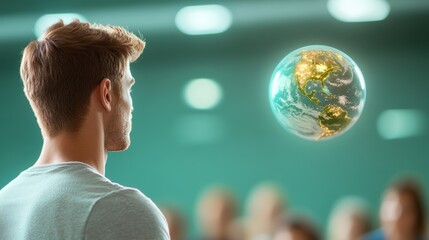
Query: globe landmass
{"x": 317, "y": 92}
{"x": 333, "y": 119}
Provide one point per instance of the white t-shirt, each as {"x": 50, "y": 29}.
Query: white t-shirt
{"x": 73, "y": 201}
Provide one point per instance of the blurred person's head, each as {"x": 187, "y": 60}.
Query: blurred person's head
{"x": 402, "y": 212}
{"x": 265, "y": 208}
{"x": 350, "y": 219}
{"x": 176, "y": 222}
{"x": 427, "y": 231}
{"x": 216, "y": 212}
{"x": 296, "y": 228}
{"x": 69, "y": 66}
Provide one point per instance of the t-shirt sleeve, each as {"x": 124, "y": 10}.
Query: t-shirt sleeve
{"x": 125, "y": 214}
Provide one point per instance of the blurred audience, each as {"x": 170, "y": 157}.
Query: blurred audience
{"x": 349, "y": 220}
{"x": 402, "y": 216}
{"x": 402, "y": 213}
{"x": 216, "y": 213}
{"x": 265, "y": 207}
{"x": 176, "y": 222}
{"x": 296, "y": 228}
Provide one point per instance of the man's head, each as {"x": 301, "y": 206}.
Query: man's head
{"x": 67, "y": 64}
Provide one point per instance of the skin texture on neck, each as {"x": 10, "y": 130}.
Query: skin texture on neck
{"x": 87, "y": 145}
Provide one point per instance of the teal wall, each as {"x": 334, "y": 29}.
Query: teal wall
{"x": 250, "y": 146}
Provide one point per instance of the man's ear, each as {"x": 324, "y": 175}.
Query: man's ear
{"x": 106, "y": 94}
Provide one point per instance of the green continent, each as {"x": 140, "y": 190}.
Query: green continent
{"x": 332, "y": 120}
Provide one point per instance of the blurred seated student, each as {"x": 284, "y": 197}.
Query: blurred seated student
{"x": 402, "y": 213}
{"x": 216, "y": 212}
{"x": 350, "y": 220}
{"x": 176, "y": 222}
{"x": 296, "y": 228}
{"x": 265, "y": 207}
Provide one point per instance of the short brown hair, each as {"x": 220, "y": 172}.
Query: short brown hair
{"x": 410, "y": 186}
{"x": 62, "y": 68}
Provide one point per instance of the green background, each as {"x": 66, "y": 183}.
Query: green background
{"x": 241, "y": 144}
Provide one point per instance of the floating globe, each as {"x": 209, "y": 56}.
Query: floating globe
{"x": 317, "y": 92}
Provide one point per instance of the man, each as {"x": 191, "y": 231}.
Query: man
{"x": 78, "y": 81}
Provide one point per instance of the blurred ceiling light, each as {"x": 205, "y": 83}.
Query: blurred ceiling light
{"x": 45, "y": 21}
{"x": 202, "y": 93}
{"x": 200, "y": 129}
{"x": 359, "y": 10}
{"x": 404, "y": 123}
{"x": 204, "y": 19}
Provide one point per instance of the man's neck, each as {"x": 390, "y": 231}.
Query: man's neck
{"x": 83, "y": 146}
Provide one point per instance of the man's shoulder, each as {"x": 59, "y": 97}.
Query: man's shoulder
{"x": 72, "y": 183}
{"x": 126, "y": 199}
{"x": 103, "y": 192}
{"x": 125, "y": 214}
{"x": 123, "y": 194}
